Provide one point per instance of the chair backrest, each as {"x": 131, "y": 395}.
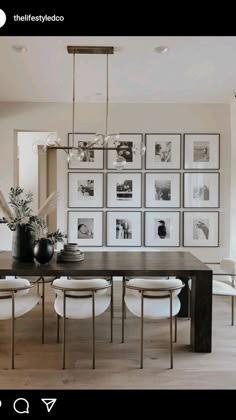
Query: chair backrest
{"x": 20, "y": 286}
{"x": 158, "y": 288}
{"x": 80, "y": 287}
{"x": 228, "y": 265}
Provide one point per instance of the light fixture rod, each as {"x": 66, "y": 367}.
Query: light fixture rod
{"x": 73, "y": 109}
{"x": 107, "y": 97}
{"x": 86, "y": 148}
{"x": 89, "y": 50}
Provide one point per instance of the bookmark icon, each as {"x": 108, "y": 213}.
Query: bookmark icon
{"x": 49, "y": 402}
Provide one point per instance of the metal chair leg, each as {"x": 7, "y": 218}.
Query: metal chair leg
{"x": 112, "y": 297}
{"x": 123, "y": 310}
{"x": 141, "y": 354}
{"x": 171, "y": 333}
{"x": 58, "y": 328}
{"x": 64, "y": 331}
{"x": 232, "y": 311}
{"x": 189, "y": 303}
{"x": 111, "y": 316}
{"x": 93, "y": 310}
{"x": 13, "y": 332}
{"x": 175, "y": 329}
{"x": 43, "y": 308}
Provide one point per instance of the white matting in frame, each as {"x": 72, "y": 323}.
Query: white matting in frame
{"x": 163, "y": 151}
{"x": 201, "y": 189}
{"x": 133, "y": 159}
{"x": 124, "y": 189}
{"x": 201, "y": 229}
{"x": 124, "y": 228}
{"x": 201, "y": 151}
{"x": 93, "y": 159}
{"x": 162, "y": 228}
{"x": 85, "y": 228}
{"x": 85, "y": 189}
{"x": 163, "y": 189}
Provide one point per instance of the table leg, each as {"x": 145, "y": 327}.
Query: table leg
{"x": 201, "y": 312}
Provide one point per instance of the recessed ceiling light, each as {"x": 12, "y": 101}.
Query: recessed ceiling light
{"x": 162, "y": 49}
{"x": 19, "y": 48}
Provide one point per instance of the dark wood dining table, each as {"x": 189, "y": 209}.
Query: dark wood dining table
{"x": 183, "y": 265}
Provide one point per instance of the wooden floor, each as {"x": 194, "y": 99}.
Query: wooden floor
{"x": 117, "y": 365}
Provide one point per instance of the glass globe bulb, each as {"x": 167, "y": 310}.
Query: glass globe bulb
{"x": 119, "y": 163}
{"x": 71, "y": 155}
{"x": 142, "y": 149}
{"x": 98, "y": 139}
{"x": 80, "y": 154}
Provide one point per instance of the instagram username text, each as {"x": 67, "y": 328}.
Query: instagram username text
{"x": 39, "y": 18}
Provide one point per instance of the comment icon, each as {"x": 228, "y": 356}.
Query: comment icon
{"x": 21, "y": 406}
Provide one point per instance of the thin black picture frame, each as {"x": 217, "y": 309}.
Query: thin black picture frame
{"x": 95, "y": 211}
{"x": 128, "y": 174}
{"x": 126, "y": 169}
{"x": 180, "y": 151}
{"x": 202, "y": 207}
{"x": 68, "y": 190}
{"x": 145, "y": 189}
{"x": 184, "y": 151}
{"x": 162, "y": 246}
{"x": 218, "y": 227}
{"x": 84, "y": 168}
{"x": 141, "y": 229}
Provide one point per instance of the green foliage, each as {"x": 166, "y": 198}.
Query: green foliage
{"x": 20, "y": 203}
{"x": 56, "y": 236}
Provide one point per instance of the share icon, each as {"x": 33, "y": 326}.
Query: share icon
{"x": 49, "y": 402}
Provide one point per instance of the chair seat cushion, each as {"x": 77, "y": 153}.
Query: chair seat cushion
{"x": 23, "y": 304}
{"x": 11, "y": 283}
{"x": 219, "y": 288}
{"x": 65, "y": 283}
{"x": 81, "y": 308}
{"x": 153, "y": 308}
{"x": 154, "y": 284}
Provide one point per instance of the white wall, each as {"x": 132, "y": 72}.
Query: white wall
{"x": 139, "y": 118}
{"x": 233, "y": 183}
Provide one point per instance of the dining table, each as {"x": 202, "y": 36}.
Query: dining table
{"x": 180, "y": 264}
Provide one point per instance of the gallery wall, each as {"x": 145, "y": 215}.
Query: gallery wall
{"x": 124, "y": 118}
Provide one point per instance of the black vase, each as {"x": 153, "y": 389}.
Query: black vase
{"x": 23, "y": 244}
{"x": 43, "y": 250}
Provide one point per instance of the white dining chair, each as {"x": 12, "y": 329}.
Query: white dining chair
{"x": 123, "y": 306}
{"x": 223, "y": 283}
{"x": 154, "y": 299}
{"x": 15, "y": 301}
{"x": 81, "y": 299}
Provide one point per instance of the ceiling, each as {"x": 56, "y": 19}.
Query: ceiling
{"x": 195, "y": 70}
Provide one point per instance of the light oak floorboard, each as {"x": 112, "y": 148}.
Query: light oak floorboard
{"x": 117, "y": 365}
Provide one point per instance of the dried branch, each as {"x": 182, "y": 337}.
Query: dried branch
{"x": 4, "y": 208}
{"x": 49, "y": 205}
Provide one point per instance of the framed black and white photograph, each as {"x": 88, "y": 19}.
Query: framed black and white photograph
{"x": 124, "y": 228}
{"x": 201, "y": 151}
{"x": 85, "y": 228}
{"x": 201, "y": 189}
{"x": 162, "y": 189}
{"x": 92, "y": 159}
{"x": 85, "y": 189}
{"x": 124, "y": 189}
{"x": 128, "y": 148}
{"x": 162, "y": 228}
{"x": 163, "y": 151}
{"x": 201, "y": 229}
